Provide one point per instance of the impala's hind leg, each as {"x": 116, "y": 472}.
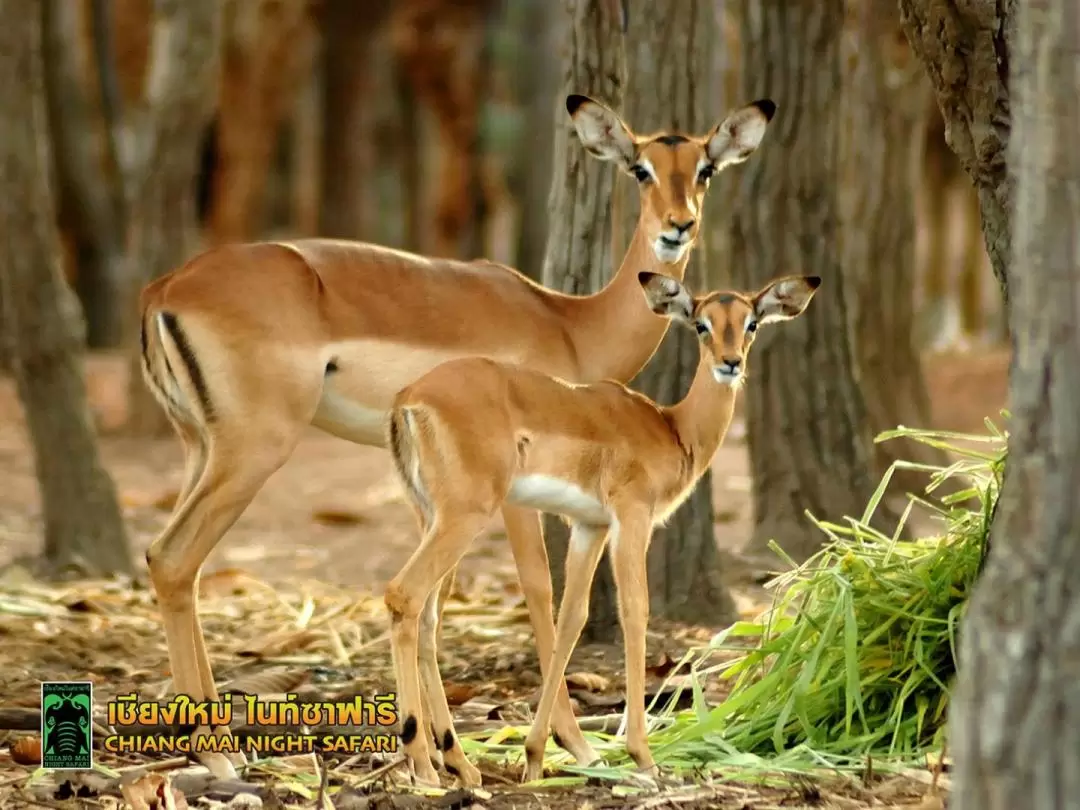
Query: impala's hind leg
{"x": 406, "y": 596}
{"x": 524, "y": 530}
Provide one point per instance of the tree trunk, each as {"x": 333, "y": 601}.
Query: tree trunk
{"x": 180, "y": 98}
{"x": 535, "y": 92}
{"x": 668, "y": 68}
{"x": 261, "y": 69}
{"x": 807, "y": 424}
{"x": 439, "y": 46}
{"x": 83, "y": 194}
{"x": 578, "y": 257}
{"x": 1015, "y": 728}
{"x": 43, "y": 325}
{"x": 965, "y": 49}
{"x": 348, "y": 29}
{"x": 884, "y": 107}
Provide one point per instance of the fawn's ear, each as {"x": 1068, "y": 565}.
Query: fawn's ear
{"x": 666, "y": 296}
{"x": 785, "y": 298}
{"x": 601, "y": 131}
{"x": 736, "y": 137}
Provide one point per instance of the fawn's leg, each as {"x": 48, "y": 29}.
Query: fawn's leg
{"x": 586, "y": 546}
{"x": 441, "y": 720}
{"x": 444, "y": 544}
{"x": 628, "y": 558}
{"x": 524, "y": 530}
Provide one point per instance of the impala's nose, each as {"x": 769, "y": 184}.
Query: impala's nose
{"x": 731, "y": 365}
{"x": 684, "y": 226}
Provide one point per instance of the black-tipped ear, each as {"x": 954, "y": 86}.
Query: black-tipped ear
{"x": 574, "y": 102}
{"x": 813, "y": 282}
{"x": 645, "y": 276}
{"x": 767, "y": 107}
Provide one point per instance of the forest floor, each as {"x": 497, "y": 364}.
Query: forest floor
{"x": 291, "y": 600}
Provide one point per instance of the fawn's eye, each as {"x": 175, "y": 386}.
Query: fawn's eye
{"x": 701, "y": 327}
{"x": 706, "y": 173}
{"x": 641, "y": 174}
{"x": 752, "y": 326}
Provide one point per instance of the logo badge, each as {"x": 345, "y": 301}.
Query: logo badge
{"x": 67, "y": 731}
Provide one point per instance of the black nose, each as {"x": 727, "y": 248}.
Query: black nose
{"x": 733, "y": 362}
{"x": 683, "y": 227}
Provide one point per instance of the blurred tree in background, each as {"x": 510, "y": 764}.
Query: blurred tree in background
{"x": 42, "y": 326}
{"x": 428, "y": 125}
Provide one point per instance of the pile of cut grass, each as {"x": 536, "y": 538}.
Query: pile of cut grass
{"x": 853, "y": 661}
{"x": 857, "y": 655}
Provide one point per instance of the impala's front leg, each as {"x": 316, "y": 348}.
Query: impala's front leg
{"x": 631, "y": 580}
{"x": 586, "y": 546}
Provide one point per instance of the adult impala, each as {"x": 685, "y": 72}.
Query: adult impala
{"x": 246, "y": 345}
{"x": 610, "y": 460}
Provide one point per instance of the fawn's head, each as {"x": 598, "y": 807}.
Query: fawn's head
{"x": 727, "y": 322}
{"x": 672, "y": 170}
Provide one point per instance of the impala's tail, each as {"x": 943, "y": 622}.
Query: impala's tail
{"x": 165, "y": 349}
{"x": 403, "y": 435}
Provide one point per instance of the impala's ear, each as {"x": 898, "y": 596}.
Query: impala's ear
{"x": 785, "y": 298}
{"x": 737, "y": 136}
{"x": 666, "y": 296}
{"x": 601, "y": 131}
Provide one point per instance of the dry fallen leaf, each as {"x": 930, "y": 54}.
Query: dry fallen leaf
{"x": 338, "y": 516}
{"x": 152, "y": 791}
{"x": 269, "y": 681}
{"x": 282, "y": 643}
{"x": 663, "y": 666}
{"x": 226, "y": 582}
{"x": 588, "y": 681}
{"x": 26, "y": 751}
{"x": 458, "y": 693}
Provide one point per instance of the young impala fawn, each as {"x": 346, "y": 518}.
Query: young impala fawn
{"x": 474, "y": 434}
{"x": 247, "y": 345}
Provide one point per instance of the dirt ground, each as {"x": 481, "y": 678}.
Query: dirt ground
{"x": 318, "y": 535}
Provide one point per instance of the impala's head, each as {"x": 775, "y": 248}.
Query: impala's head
{"x": 727, "y": 322}
{"x": 672, "y": 170}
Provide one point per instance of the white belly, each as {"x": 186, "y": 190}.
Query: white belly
{"x": 555, "y": 496}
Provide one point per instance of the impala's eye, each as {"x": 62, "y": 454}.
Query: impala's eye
{"x": 706, "y": 173}
{"x": 701, "y": 327}
{"x": 752, "y": 326}
{"x": 641, "y": 174}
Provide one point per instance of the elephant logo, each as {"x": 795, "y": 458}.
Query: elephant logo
{"x": 67, "y": 724}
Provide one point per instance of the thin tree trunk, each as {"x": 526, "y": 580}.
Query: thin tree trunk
{"x": 537, "y": 86}
{"x": 885, "y": 106}
{"x": 185, "y": 59}
{"x": 83, "y": 195}
{"x": 1015, "y": 730}
{"x": 348, "y": 29}
{"x": 43, "y": 325}
{"x": 668, "y": 68}
{"x": 578, "y": 256}
{"x": 807, "y": 423}
{"x": 261, "y": 69}
{"x": 965, "y": 49}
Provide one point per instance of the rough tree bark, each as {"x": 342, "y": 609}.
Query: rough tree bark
{"x": 261, "y": 68}
{"x": 42, "y": 322}
{"x": 807, "y": 423}
{"x": 439, "y": 46}
{"x": 668, "y": 68}
{"x": 883, "y": 107}
{"x": 348, "y": 30}
{"x": 965, "y": 48}
{"x": 185, "y": 57}
{"x": 86, "y": 201}
{"x": 578, "y": 258}
{"x": 536, "y": 87}
{"x": 1015, "y": 729}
